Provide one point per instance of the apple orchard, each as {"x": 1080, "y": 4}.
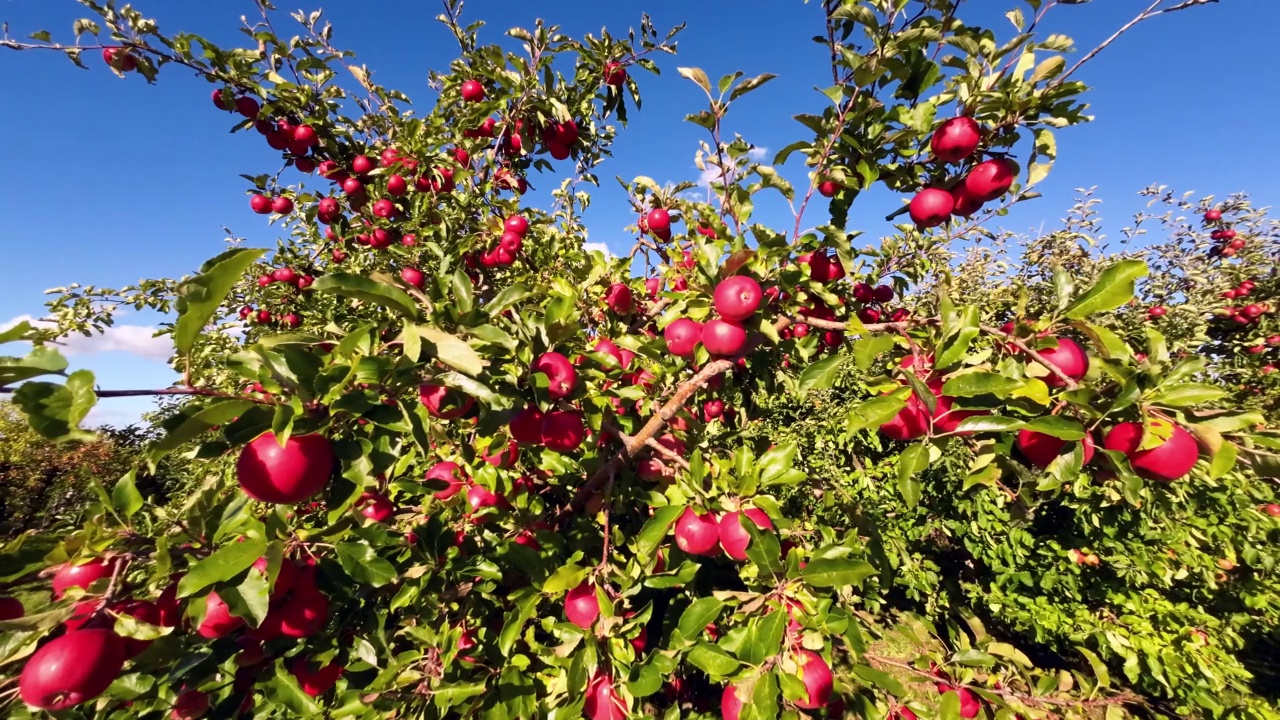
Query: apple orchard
{"x": 452, "y": 465}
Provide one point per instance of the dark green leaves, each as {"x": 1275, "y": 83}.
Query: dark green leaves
{"x": 712, "y": 660}
{"x": 979, "y": 383}
{"x": 202, "y": 294}
{"x": 913, "y": 461}
{"x": 836, "y": 572}
{"x": 55, "y": 411}
{"x": 1114, "y": 288}
{"x": 698, "y": 616}
{"x": 820, "y": 375}
{"x": 363, "y": 564}
{"x": 368, "y": 290}
{"x": 197, "y": 420}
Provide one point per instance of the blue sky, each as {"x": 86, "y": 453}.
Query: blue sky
{"x": 108, "y": 181}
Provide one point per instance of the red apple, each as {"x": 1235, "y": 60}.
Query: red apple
{"x": 698, "y": 533}
{"x": 11, "y": 608}
{"x": 120, "y": 59}
{"x": 824, "y": 268}
{"x": 910, "y": 423}
{"x": 682, "y": 337}
{"x": 581, "y": 606}
{"x": 614, "y": 74}
{"x": 734, "y": 537}
{"x": 286, "y": 577}
{"x": 619, "y": 299}
{"x": 1271, "y": 509}
{"x": 472, "y": 91}
{"x": 218, "y": 620}
{"x": 414, "y": 277}
{"x": 955, "y": 139}
{"x": 563, "y": 431}
{"x": 81, "y": 576}
{"x": 931, "y": 207}
{"x": 1213, "y": 215}
{"x": 144, "y": 611}
{"x": 304, "y": 613}
{"x": 712, "y": 409}
{"x": 1171, "y": 460}
{"x": 481, "y": 498}
{"x": 659, "y": 223}
{"x": 816, "y": 676}
{"x": 964, "y": 204}
{"x": 559, "y": 372}
{"x": 737, "y": 298}
{"x": 730, "y": 703}
{"x": 376, "y": 507}
{"x": 1070, "y": 357}
{"x": 260, "y": 204}
{"x": 526, "y": 425}
{"x": 1040, "y": 449}
{"x": 286, "y": 474}
{"x": 362, "y": 165}
{"x": 603, "y": 701}
{"x": 315, "y": 682}
{"x": 443, "y": 402}
{"x": 282, "y": 205}
{"x": 724, "y": 338}
{"x": 991, "y": 179}
{"x": 450, "y": 473}
{"x": 71, "y": 669}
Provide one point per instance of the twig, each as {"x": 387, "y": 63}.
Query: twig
{"x": 1147, "y": 14}
{"x": 666, "y": 453}
{"x": 1066, "y": 379}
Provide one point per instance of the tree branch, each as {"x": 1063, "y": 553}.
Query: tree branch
{"x": 1147, "y": 14}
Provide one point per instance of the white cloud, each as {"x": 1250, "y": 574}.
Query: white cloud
{"x": 598, "y": 246}
{"x": 132, "y": 339}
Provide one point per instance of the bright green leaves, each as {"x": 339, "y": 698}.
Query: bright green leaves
{"x": 200, "y": 296}
{"x": 448, "y": 349}
{"x": 836, "y": 572}
{"x": 1114, "y": 288}
{"x": 369, "y": 290}
{"x": 821, "y": 374}
{"x": 225, "y": 563}
{"x": 911, "y": 463}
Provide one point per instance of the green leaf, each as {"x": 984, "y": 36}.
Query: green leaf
{"x": 1188, "y": 395}
{"x": 913, "y": 461}
{"x": 203, "y": 294}
{"x": 974, "y": 658}
{"x": 867, "y": 349}
{"x": 286, "y": 691}
{"x": 1099, "y": 667}
{"x": 750, "y": 84}
{"x": 1057, "y": 426}
{"x": 42, "y": 360}
{"x": 225, "y": 563}
{"x": 712, "y": 660}
{"x": 125, "y": 497}
{"x": 53, "y": 410}
{"x": 509, "y": 296}
{"x": 1223, "y": 460}
{"x": 820, "y": 375}
{"x": 874, "y": 413}
{"x": 1235, "y": 423}
{"x": 698, "y": 77}
{"x": 197, "y": 420}
{"x": 1114, "y": 288}
{"x": 969, "y": 322}
{"x": 19, "y": 331}
{"x": 776, "y": 461}
{"x": 880, "y": 679}
{"x": 363, "y": 564}
{"x": 1006, "y": 650}
{"x": 979, "y": 383}
{"x": 526, "y": 603}
{"x": 451, "y": 350}
{"x": 655, "y": 529}
{"x": 567, "y": 577}
{"x": 701, "y": 613}
{"x": 836, "y": 572}
{"x": 368, "y": 290}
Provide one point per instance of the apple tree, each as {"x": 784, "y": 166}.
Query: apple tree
{"x": 457, "y": 466}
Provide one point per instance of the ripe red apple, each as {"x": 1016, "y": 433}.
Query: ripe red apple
{"x": 1040, "y": 449}
{"x": 352, "y": 186}
{"x": 730, "y": 703}
{"x": 734, "y": 537}
{"x": 414, "y": 277}
{"x": 218, "y": 620}
{"x": 516, "y": 224}
{"x": 816, "y": 676}
{"x": 526, "y": 426}
{"x": 824, "y": 268}
{"x": 883, "y": 293}
{"x": 120, "y": 59}
{"x": 991, "y": 179}
{"x": 502, "y": 457}
{"x": 260, "y": 204}
{"x": 71, "y": 669}
{"x": 1070, "y": 357}
{"x": 480, "y": 498}
{"x": 1213, "y": 215}
{"x": 450, "y": 473}
{"x": 286, "y": 577}
{"x": 282, "y": 205}
{"x": 698, "y": 533}
{"x": 315, "y": 682}
{"x": 304, "y": 613}
{"x": 1157, "y": 311}
{"x": 712, "y": 409}
{"x": 444, "y": 403}
{"x": 397, "y": 185}
{"x": 682, "y": 337}
{"x": 559, "y": 372}
{"x": 376, "y": 507}
{"x": 619, "y": 299}
{"x": 247, "y": 107}
{"x": 144, "y": 611}
{"x": 81, "y": 576}
{"x": 1171, "y": 460}
{"x": 1252, "y": 311}
{"x": 658, "y": 220}
{"x": 1271, "y": 509}
{"x": 271, "y": 473}
{"x": 910, "y": 423}
{"x": 581, "y": 606}
{"x": 724, "y": 338}
{"x": 931, "y": 207}
{"x": 384, "y": 208}
{"x": 603, "y": 701}
{"x": 828, "y": 188}
{"x": 191, "y": 704}
{"x": 563, "y": 431}
{"x": 737, "y": 298}
{"x": 472, "y": 91}
{"x": 614, "y": 74}
{"x": 362, "y": 165}
{"x": 964, "y": 204}
{"x": 11, "y": 608}
{"x": 955, "y": 139}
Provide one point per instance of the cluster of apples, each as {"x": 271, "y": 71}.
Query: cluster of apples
{"x": 508, "y": 247}
{"x": 295, "y": 141}
{"x": 1228, "y": 243}
{"x": 956, "y": 141}
{"x": 736, "y": 299}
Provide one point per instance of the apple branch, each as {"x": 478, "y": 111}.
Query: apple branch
{"x": 203, "y": 392}
{"x": 1147, "y": 14}
{"x": 1066, "y": 379}
{"x": 666, "y": 453}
